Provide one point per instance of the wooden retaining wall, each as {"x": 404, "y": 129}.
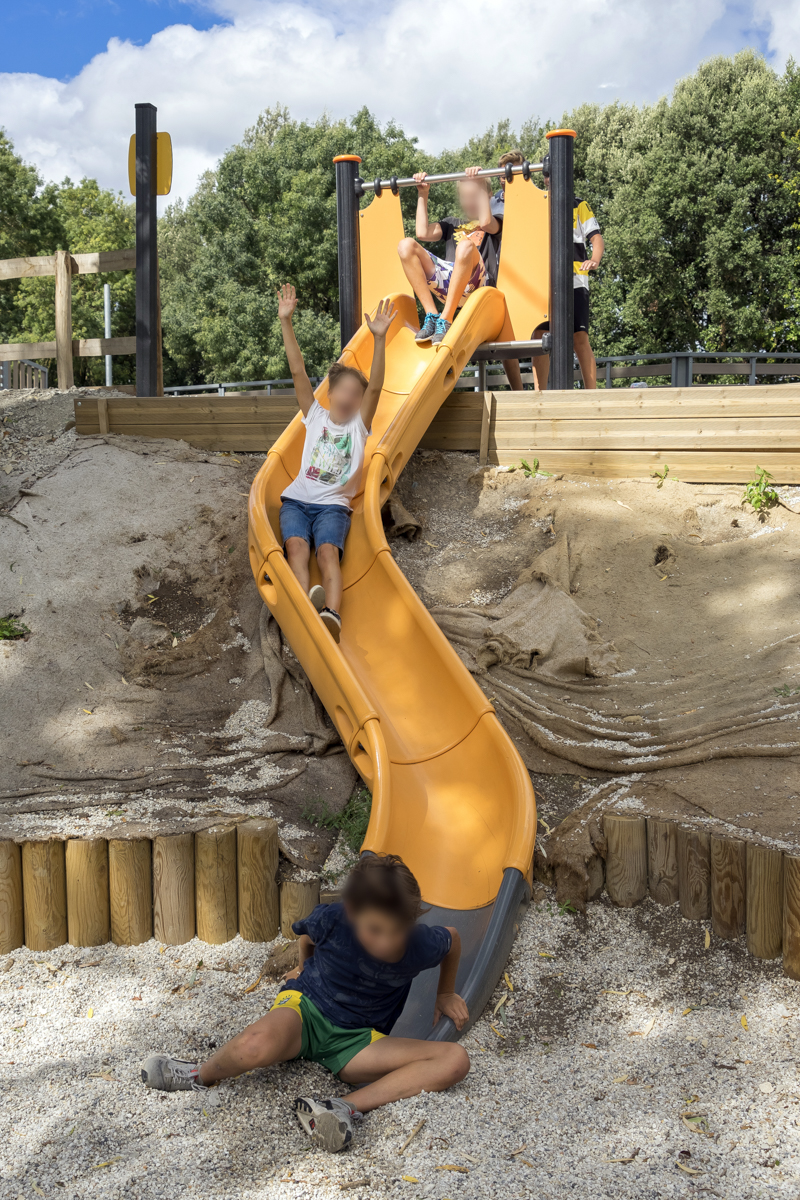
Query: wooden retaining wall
{"x": 734, "y": 886}
{"x": 704, "y": 434}
{"x": 213, "y": 883}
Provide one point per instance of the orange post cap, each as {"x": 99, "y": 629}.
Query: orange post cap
{"x": 347, "y": 158}
{"x": 560, "y": 133}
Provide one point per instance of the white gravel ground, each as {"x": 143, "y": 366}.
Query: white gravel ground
{"x": 619, "y": 1023}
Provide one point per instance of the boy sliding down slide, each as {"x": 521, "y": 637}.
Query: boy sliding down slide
{"x": 470, "y": 249}
{"x": 316, "y": 505}
{"x": 357, "y": 961}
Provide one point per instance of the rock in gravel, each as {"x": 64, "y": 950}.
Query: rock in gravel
{"x": 149, "y": 633}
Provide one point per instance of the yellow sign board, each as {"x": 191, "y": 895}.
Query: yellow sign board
{"x": 163, "y": 164}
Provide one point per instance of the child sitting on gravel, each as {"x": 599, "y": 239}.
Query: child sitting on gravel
{"x": 357, "y": 962}
{"x": 315, "y": 507}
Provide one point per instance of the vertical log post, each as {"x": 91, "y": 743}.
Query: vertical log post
{"x": 215, "y": 884}
{"x": 350, "y": 315}
{"x": 44, "y": 892}
{"x": 764, "y": 901}
{"x": 791, "y": 915}
{"x": 259, "y": 904}
{"x": 561, "y": 193}
{"x": 728, "y": 886}
{"x": 626, "y": 859}
{"x": 11, "y": 923}
{"x": 88, "y": 919}
{"x": 173, "y": 888}
{"x": 662, "y": 860}
{"x": 130, "y": 877}
{"x": 299, "y": 897}
{"x": 694, "y": 874}
{"x": 63, "y": 273}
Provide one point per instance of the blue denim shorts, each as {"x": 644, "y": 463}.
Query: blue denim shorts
{"x": 317, "y": 524}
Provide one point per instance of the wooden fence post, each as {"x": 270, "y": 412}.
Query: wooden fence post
{"x": 662, "y": 860}
{"x": 88, "y": 920}
{"x": 299, "y": 897}
{"x": 791, "y": 915}
{"x": 11, "y": 925}
{"x": 215, "y": 884}
{"x": 173, "y": 888}
{"x": 694, "y": 873}
{"x": 63, "y": 272}
{"x": 626, "y": 858}
{"x": 728, "y": 886}
{"x": 44, "y": 888}
{"x": 130, "y": 877}
{"x": 764, "y": 901}
{"x": 258, "y": 890}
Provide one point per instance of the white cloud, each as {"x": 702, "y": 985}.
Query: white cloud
{"x": 445, "y": 72}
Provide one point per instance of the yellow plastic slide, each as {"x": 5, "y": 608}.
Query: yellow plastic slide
{"x": 450, "y": 794}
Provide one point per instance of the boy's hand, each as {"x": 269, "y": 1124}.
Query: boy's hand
{"x": 471, "y": 172}
{"x": 423, "y": 188}
{"x": 293, "y": 974}
{"x": 450, "y": 1004}
{"x": 287, "y": 301}
{"x": 590, "y": 265}
{"x": 385, "y": 313}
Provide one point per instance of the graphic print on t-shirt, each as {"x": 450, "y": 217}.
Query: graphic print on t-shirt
{"x": 331, "y": 459}
{"x": 468, "y": 229}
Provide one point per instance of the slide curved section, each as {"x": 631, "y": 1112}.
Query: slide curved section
{"x": 450, "y": 793}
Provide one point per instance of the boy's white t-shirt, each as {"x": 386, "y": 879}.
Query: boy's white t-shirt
{"x": 333, "y": 455}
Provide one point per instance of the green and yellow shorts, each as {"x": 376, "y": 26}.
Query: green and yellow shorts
{"x": 323, "y": 1042}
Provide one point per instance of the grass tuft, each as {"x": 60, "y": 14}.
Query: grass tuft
{"x": 352, "y": 820}
{"x": 11, "y": 627}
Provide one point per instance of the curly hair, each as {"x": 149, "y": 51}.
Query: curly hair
{"x": 384, "y": 882}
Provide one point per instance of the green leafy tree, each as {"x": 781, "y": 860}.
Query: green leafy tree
{"x": 28, "y": 222}
{"x": 266, "y": 215}
{"x": 89, "y": 219}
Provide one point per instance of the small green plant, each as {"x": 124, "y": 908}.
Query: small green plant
{"x": 759, "y": 493}
{"x": 352, "y": 820}
{"x": 530, "y": 471}
{"x": 11, "y": 627}
{"x": 661, "y": 476}
{"x": 566, "y": 908}
{"x": 786, "y": 690}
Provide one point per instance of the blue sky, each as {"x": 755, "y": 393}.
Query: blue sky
{"x": 211, "y": 66}
{"x": 58, "y": 39}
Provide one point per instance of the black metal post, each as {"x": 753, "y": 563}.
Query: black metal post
{"x": 349, "y": 245}
{"x": 561, "y": 198}
{"x": 146, "y": 252}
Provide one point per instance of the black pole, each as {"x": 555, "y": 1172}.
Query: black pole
{"x": 349, "y": 251}
{"x": 561, "y": 194}
{"x": 146, "y": 252}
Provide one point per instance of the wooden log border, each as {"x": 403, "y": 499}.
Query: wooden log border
{"x": 218, "y": 882}
{"x": 733, "y": 886}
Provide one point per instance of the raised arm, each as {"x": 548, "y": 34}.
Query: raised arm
{"x": 287, "y": 303}
{"x": 378, "y": 327}
{"x": 424, "y": 230}
{"x": 448, "y": 1002}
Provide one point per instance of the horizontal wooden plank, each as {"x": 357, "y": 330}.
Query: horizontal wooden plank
{"x": 681, "y": 433}
{"x": 93, "y": 347}
{"x": 198, "y": 411}
{"x": 104, "y": 260}
{"x": 686, "y": 466}
{"x": 28, "y": 268}
{"x": 14, "y": 351}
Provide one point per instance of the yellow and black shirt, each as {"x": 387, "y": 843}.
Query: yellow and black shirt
{"x": 584, "y": 226}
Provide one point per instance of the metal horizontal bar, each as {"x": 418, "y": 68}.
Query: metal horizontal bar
{"x": 447, "y": 177}
{"x": 748, "y": 354}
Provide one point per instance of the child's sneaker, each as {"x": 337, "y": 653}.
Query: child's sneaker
{"x": 332, "y": 622}
{"x": 442, "y": 327}
{"x": 428, "y": 328}
{"x": 171, "y": 1074}
{"x": 329, "y": 1122}
{"x": 317, "y": 596}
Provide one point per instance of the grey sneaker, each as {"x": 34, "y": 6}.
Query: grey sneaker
{"x": 328, "y": 1122}
{"x": 317, "y": 596}
{"x": 332, "y": 622}
{"x": 171, "y": 1074}
{"x": 428, "y": 328}
{"x": 442, "y": 327}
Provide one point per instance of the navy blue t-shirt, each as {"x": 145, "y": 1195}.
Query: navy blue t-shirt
{"x": 350, "y": 987}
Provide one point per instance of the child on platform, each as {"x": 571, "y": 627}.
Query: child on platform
{"x": 315, "y": 507}
{"x": 357, "y": 962}
{"x": 470, "y": 258}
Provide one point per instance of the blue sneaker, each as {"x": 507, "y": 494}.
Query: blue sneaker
{"x": 442, "y": 327}
{"x": 428, "y": 328}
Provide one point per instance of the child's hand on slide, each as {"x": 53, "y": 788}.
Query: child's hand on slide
{"x": 450, "y": 1004}
{"x": 287, "y": 301}
{"x": 385, "y": 313}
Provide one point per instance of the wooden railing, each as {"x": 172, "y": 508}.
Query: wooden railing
{"x": 23, "y": 375}
{"x": 64, "y": 265}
